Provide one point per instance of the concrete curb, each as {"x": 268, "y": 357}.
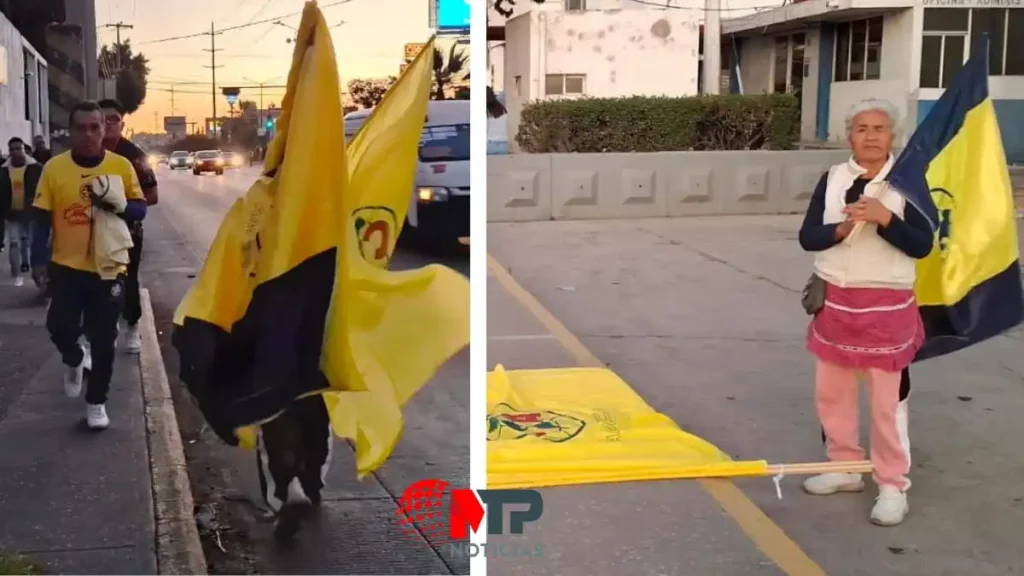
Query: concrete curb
{"x": 178, "y": 548}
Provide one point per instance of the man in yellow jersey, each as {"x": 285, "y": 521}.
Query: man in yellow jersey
{"x": 19, "y": 177}
{"x": 79, "y": 297}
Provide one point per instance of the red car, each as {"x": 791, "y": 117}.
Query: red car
{"x": 208, "y": 161}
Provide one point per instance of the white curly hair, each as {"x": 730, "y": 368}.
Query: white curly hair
{"x": 874, "y": 105}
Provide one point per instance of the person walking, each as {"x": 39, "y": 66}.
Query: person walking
{"x": 293, "y": 454}
{"x": 19, "y": 177}
{"x": 113, "y": 116}
{"x": 68, "y": 202}
{"x": 866, "y": 322}
{"x": 40, "y": 152}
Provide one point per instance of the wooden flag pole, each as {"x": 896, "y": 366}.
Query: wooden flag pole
{"x": 811, "y": 468}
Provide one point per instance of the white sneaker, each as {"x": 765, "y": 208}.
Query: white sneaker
{"x": 832, "y": 483}
{"x": 96, "y": 416}
{"x": 133, "y": 340}
{"x": 19, "y": 281}
{"x": 73, "y": 381}
{"x": 891, "y": 506}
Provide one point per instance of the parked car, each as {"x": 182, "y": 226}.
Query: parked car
{"x": 208, "y": 161}
{"x": 439, "y": 201}
{"x": 180, "y": 159}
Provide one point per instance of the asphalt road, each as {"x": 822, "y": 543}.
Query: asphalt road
{"x": 701, "y": 317}
{"x": 356, "y": 532}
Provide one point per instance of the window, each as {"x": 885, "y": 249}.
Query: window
{"x": 942, "y": 45}
{"x": 781, "y": 65}
{"x": 949, "y": 33}
{"x": 789, "y": 64}
{"x": 28, "y": 78}
{"x": 564, "y": 84}
{"x": 448, "y": 143}
{"x": 575, "y": 4}
{"x": 859, "y": 50}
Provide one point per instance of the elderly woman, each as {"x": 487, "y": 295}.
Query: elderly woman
{"x": 866, "y": 238}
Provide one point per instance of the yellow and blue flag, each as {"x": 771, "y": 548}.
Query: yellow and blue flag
{"x": 954, "y": 171}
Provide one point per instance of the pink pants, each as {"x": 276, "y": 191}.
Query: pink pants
{"x": 837, "y": 402}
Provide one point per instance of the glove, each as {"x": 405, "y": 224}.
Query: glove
{"x": 101, "y": 203}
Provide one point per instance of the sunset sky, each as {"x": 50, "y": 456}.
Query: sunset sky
{"x": 369, "y": 44}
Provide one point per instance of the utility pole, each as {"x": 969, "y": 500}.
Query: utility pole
{"x": 117, "y": 53}
{"x": 712, "y": 46}
{"x": 213, "y": 72}
{"x": 193, "y": 125}
{"x": 156, "y": 125}
{"x": 172, "y": 99}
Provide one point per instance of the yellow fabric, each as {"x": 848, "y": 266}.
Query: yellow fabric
{"x": 585, "y": 426}
{"x": 982, "y": 241}
{"x": 64, "y": 192}
{"x": 17, "y": 187}
{"x": 387, "y": 332}
{"x": 111, "y": 239}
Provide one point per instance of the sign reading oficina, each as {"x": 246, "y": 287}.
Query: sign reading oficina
{"x": 974, "y": 3}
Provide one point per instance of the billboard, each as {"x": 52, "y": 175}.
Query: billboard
{"x": 175, "y": 125}
{"x": 452, "y": 15}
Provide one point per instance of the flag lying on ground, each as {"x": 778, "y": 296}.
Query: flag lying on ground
{"x": 586, "y": 426}
{"x": 954, "y": 170}
{"x": 287, "y": 305}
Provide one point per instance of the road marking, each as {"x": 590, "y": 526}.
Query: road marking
{"x": 520, "y": 337}
{"x": 768, "y": 536}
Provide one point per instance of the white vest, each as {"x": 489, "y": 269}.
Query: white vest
{"x": 863, "y": 259}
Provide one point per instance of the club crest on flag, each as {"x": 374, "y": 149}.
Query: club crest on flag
{"x": 375, "y": 228}
{"x": 507, "y": 423}
{"x": 945, "y": 204}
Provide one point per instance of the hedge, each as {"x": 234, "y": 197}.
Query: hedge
{"x": 658, "y": 124}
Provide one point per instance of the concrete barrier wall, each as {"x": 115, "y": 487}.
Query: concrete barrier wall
{"x": 528, "y": 187}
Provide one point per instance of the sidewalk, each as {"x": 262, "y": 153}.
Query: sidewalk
{"x": 71, "y": 500}
{"x": 701, "y": 317}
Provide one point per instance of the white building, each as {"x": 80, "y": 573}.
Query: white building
{"x": 24, "y": 88}
{"x": 833, "y": 53}
{"x": 550, "y": 53}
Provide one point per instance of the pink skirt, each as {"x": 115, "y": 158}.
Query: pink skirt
{"x": 864, "y": 328}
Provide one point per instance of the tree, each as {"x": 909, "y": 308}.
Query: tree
{"x": 370, "y": 91}
{"x": 449, "y": 70}
{"x": 131, "y": 78}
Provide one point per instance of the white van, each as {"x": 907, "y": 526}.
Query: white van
{"x": 439, "y": 202}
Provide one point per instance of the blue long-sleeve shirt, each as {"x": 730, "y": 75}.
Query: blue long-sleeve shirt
{"x": 912, "y": 235}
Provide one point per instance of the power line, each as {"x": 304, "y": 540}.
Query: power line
{"x": 117, "y": 53}
{"x": 240, "y": 26}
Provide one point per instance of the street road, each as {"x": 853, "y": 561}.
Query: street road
{"x": 701, "y": 316}
{"x": 357, "y": 532}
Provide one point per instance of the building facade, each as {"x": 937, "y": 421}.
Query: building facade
{"x": 24, "y": 87}
{"x": 552, "y": 53}
{"x": 64, "y": 33}
{"x": 834, "y": 53}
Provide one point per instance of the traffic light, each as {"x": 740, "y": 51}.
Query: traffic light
{"x": 270, "y": 123}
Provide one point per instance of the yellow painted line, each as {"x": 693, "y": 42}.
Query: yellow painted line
{"x": 762, "y": 530}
